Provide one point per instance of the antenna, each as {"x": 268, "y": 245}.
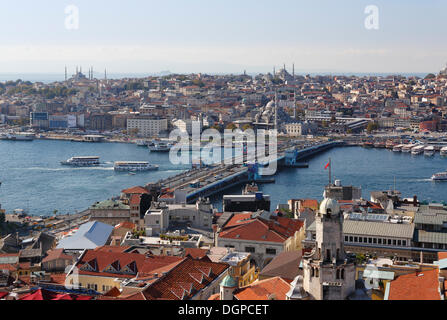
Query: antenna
{"x": 330, "y": 172}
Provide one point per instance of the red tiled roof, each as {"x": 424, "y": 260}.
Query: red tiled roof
{"x": 185, "y": 280}
{"x": 239, "y": 219}
{"x": 56, "y": 254}
{"x": 101, "y": 259}
{"x": 278, "y": 229}
{"x": 272, "y": 288}
{"x": 309, "y": 203}
{"x": 416, "y": 286}
{"x": 135, "y": 190}
{"x": 196, "y": 253}
{"x": 442, "y": 255}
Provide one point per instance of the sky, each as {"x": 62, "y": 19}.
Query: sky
{"x": 223, "y": 36}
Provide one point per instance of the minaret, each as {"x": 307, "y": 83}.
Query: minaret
{"x": 92, "y": 74}
{"x": 294, "y": 104}
{"x": 274, "y": 72}
{"x": 105, "y": 74}
{"x": 293, "y": 71}
{"x": 276, "y": 110}
{"x": 65, "y": 73}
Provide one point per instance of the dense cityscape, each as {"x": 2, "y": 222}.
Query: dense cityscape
{"x": 165, "y": 240}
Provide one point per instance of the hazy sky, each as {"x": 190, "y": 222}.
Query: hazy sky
{"x": 139, "y": 36}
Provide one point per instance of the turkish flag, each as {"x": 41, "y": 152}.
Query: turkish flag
{"x": 328, "y": 164}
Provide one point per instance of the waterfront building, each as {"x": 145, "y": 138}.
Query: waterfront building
{"x": 146, "y": 126}
{"x": 246, "y": 202}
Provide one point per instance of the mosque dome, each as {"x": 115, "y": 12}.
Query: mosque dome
{"x": 228, "y": 282}
{"x": 329, "y": 205}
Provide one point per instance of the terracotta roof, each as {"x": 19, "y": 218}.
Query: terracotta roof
{"x": 415, "y": 286}
{"x": 184, "y": 281}
{"x": 239, "y": 219}
{"x": 135, "y": 190}
{"x": 309, "y": 203}
{"x": 269, "y": 289}
{"x": 114, "y": 264}
{"x": 442, "y": 255}
{"x": 278, "y": 229}
{"x": 57, "y": 254}
{"x": 196, "y": 253}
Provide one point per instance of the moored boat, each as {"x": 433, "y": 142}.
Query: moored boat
{"x": 443, "y": 151}
{"x": 398, "y": 148}
{"x": 429, "y": 151}
{"x": 417, "y": 150}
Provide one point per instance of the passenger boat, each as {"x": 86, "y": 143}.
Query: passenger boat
{"x": 379, "y": 144}
{"x": 429, "y": 151}
{"x": 441, "y": 176}
{"x": 89, "y": 161}
{"x": 133, "y": 166}
{"x": 417, "y": 150}
{"x": 443, "y": 151}
{"x": 407, "y": 148}
{"x": 398, "y": 148}
{"x": 158, "y": 146}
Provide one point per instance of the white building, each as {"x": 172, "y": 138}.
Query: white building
{"x": 147, "y": 126}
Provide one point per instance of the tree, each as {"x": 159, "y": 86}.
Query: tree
{"x": 231, "y": 126}
{"x": 2, "y": 218}
{"x": 430, "y": 76}
{"x": 55, "y": 211}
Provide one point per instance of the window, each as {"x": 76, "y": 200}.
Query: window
{"x": 343, "y": 274}
{"x": 360, "y": 239}
{"x": 380, "y": 241}
{"x": 250, "y": 249}
{"x": 270, "y": 251}
{"x": 350, "y": 239}
{"x": 369, "y": 240}
{"x": 404, "y": 242}
{"x": 394, "y": 242}
{"x": 389, "y": 241}
{"x": 365, "y": 240}
{"x": 346, "y": 238}
{"x": 355, "y": 239}
{"x": 337, "y": 276}
{"x": 374, "y": 240}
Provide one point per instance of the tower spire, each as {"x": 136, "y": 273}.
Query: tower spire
{"x": 65, "y": 73}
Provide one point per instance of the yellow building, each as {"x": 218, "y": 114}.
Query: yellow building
{"x": 240, "y": 267}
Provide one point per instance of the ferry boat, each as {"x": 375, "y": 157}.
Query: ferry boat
{"x": 441, "y": 176}
{"x": 443, "y": 151}
{"x": 429, "y": 151}
{"x": 21, "y": 136}
{"x": 407, "y": 148}
{"x": 417, "y": 150}
{"x": 82, "y": 161}
{"x": 158, "y": 146}
{"x": 398, "y": 148}
{"x": 134, "y": 166}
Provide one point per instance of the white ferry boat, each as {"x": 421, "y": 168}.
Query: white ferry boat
{"x": 417, "y": 150}
{"x": 443, "y": 151}
{"x": 158, "y": 146}
{"x": 441, "y": 176}
{"x": 398, "y": 148}
{"x": 407, "y": 148}
{"x": 429, "y": 151}
{"x": 82, "y": 161}
{"x": 134, "y": 166}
